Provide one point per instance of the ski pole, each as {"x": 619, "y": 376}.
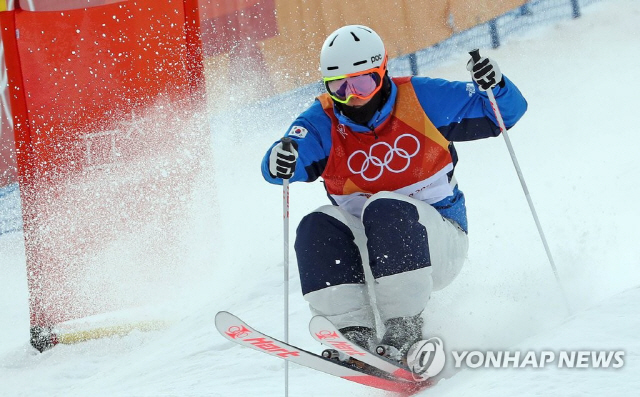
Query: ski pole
{"x": 475, "y": 56}
{"x": 286, "y": 145}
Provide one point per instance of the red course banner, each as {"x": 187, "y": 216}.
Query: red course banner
{"x": 84, "y": 84}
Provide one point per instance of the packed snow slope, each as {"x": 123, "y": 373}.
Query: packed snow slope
{"x": 577, "y": 146}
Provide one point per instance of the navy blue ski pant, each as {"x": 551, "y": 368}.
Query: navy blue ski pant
{"x": 402, "y": 246}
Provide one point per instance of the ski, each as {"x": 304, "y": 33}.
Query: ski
{"x": 236, "y": 330}
{"x": 325, "y": 332}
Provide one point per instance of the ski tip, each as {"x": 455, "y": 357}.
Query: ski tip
{"x": 320, "y": 320}
{"x": 224, "y": 315}
{"x": 224, "y": 320}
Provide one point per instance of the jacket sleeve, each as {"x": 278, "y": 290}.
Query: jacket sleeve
{"x": 461, "y": 112}
{"x": 312, "y": 132}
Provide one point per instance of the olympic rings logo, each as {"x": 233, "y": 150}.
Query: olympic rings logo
{"x": 375, "y": 161}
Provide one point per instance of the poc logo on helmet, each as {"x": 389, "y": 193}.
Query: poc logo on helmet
{"x": 376, "y": 58}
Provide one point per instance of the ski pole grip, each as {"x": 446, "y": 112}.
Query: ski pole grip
{"x": 475, "y": 55}
{"x": 286, "y": 143}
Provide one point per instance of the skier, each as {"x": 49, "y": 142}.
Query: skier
{"x": 383, "y": 147}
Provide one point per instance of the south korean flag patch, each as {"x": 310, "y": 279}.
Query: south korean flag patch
{"x": 298, "y": 131}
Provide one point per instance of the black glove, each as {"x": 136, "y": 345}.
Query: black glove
{"x": 485, "y": 73}
{"x": 283, "y": 157}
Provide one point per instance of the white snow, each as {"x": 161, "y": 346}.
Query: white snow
{"x": 577, "y": 146}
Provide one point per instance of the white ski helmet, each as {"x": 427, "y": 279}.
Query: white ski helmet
{"x": 351, "y": 49}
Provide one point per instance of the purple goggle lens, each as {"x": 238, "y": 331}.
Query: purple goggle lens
{"x": 362, "y": 85}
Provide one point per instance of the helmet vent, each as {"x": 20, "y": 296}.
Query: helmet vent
{"x": 356, "y": 38}
{"x": 333, "y": 68}
{"x": 334, "y": 39}
{"x": 359, "y": 62}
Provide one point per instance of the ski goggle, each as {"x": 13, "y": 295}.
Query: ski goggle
{"x": 361, "y": 85}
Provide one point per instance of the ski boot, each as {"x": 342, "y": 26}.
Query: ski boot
{"x": 401, "y": 333}
{"x": 361, "y": 336}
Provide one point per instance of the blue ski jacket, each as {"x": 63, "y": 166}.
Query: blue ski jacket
{"x": 459, "y": 110}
